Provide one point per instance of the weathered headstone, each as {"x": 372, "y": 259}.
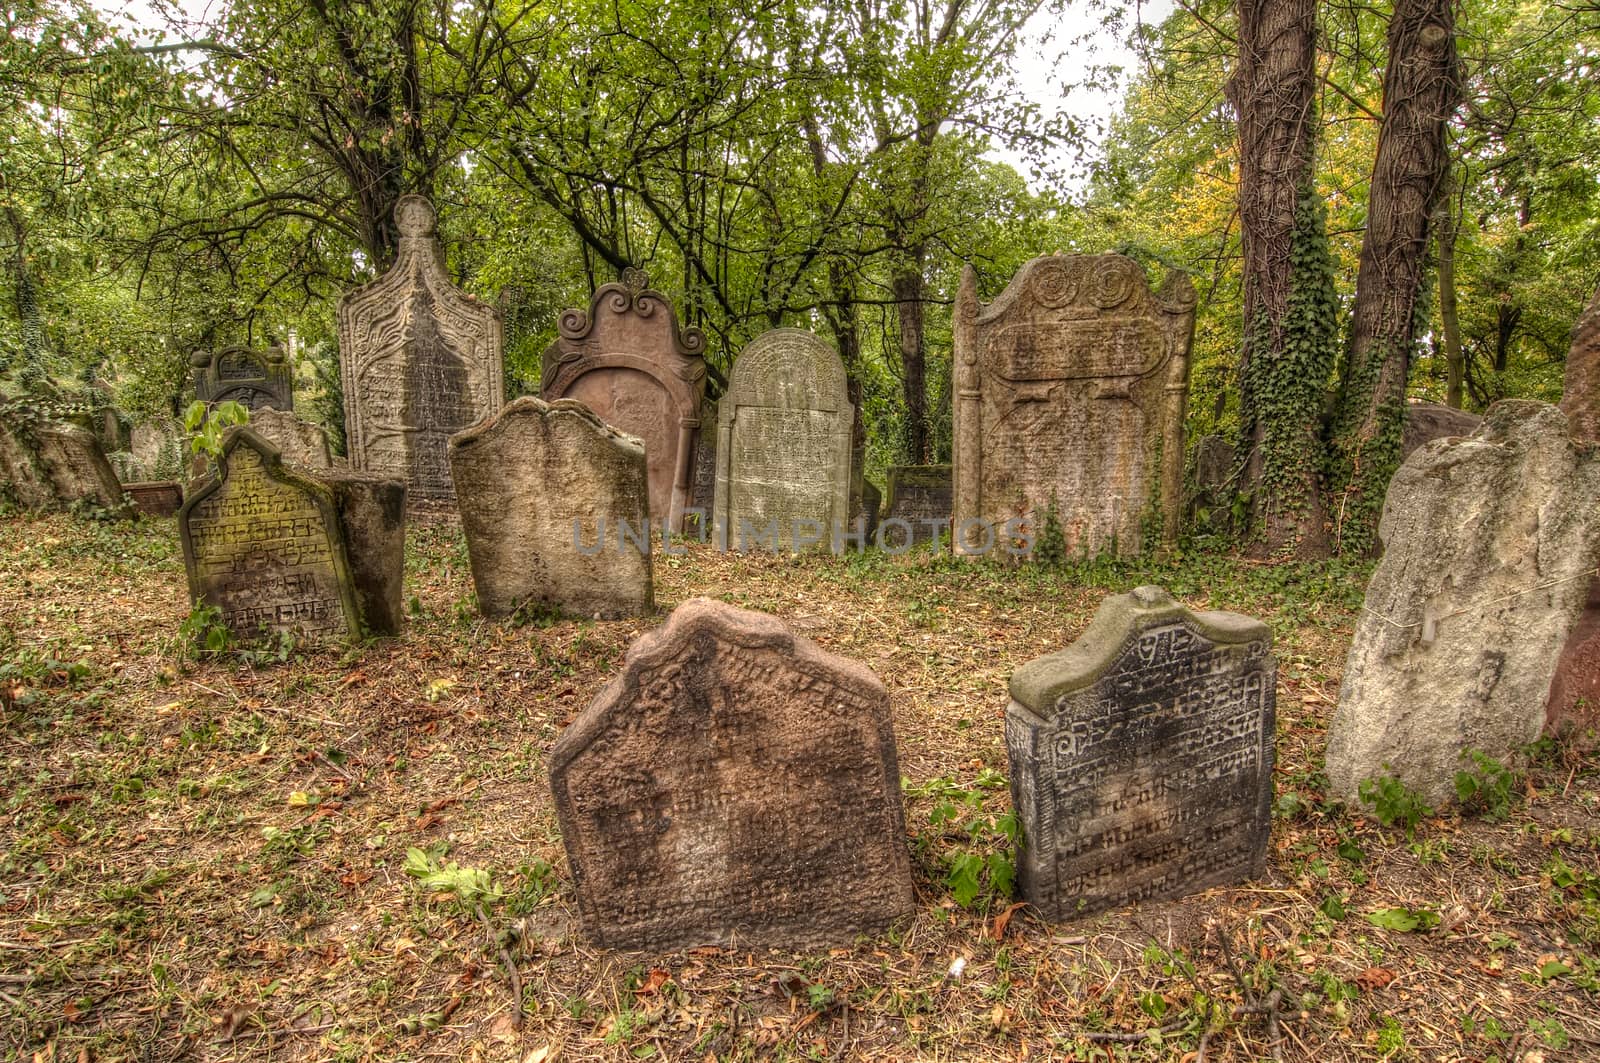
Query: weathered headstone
{"x": 629, "y": 362}
{"x": 783, "y": 444}
{"x": 1141, "y": 756}
{"x": 1489, "y": 546}
{"x": 1427, "y": 421}
{"x": 280, "y": 549}
{"x": 1070, "y": 388}
{"x": 1213, "y": 467}
{"x": 254, "y": 379}
{"x": 734, "y": 785}
{"x": 544, "y": 491}
{"x": 52, "y": 463}
{"x": 420, "y": 361}
{"x": 1573, "y": 708}
{"x": 299, "y": 442}
{"x": 155, "y": 498}
{"x": 918, "y": 509}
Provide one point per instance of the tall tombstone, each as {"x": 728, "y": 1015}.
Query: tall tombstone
{"x": 544, "y": 491}
{"x": 783, "y": 443}
{"x": 1580, "y": 393}
{"x": 628, "y": 360}
{"x": 419, "y": 359}
{"x": 256, "y": 380}
{"x": 1573, "y": 708}
{"x": 1489, "y": 545}
{"x": 1070, "y": 389}
{"x": 733, "y": 785}
{"x": 1141, "y": 756}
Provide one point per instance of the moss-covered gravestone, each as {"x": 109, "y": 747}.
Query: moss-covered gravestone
{"x": 1141, "y": 756}
{"x": 270, "y": 546}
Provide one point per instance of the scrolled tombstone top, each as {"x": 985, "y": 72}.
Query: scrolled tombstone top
{"x": 256, "y": 379}
{"x": 628, "y": 359}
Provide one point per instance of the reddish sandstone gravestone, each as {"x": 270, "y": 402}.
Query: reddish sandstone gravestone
{"x": 628, "y": 360}
{"x": 735, "y": 785}
{"x": 420, "y": 361}
{"x": 1573, "y": 707}
{"x": 1070, "y": 390}
{"x": 1141, "y": 756}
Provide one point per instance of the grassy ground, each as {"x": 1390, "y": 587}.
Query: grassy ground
{"x": 208, "y": 860}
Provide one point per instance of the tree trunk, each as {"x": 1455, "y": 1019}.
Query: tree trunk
{"x": 1272, "y": 92}
{"x": 1449, "y": 317}
{"x": 1419, "y": 94}
{"x": 908, "y": 288}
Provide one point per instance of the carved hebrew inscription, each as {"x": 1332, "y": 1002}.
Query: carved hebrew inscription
{"x": 1150, "y": 774}
{"x": 735, "y": 784}
{"x": 263, "y": 549}
{"x": 257, "y": 380}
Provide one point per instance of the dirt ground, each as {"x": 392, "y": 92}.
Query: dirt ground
{"x": 208, "y": 858}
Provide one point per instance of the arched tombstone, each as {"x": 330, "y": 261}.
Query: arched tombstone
{"x": 256, "y": 380}
{"x": 420, "y": 361}
{"x": 628, "y": 360}
{"x": 1069, "y": 391}
{"x": 783, "y": 445}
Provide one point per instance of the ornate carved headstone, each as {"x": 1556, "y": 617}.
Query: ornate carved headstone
{"x": 629, "y": 362}
{"x": 299, "y": 442}
{"x": 420, "y": 361}
{"x": 1141, "y": 756}
{"x": 254, "y": 379}
{"x": 735, "y": 784}
{"x": 783, "y": 442}
{"x": 1070, "y": 387}
{"x": 262, "y": 543}
{"x": 1489, "y": 546}
{"x": 919, "y": 505}
{"x": 544, "y": 491}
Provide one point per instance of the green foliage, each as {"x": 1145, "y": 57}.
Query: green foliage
{"x": 1404, "y": 920}
{"x": 432, "y": 872}
{"x": 206, "y": 424}
{"x": 202, "y": 632}
{"x": 983, "y": 872}
{"x": 1488, "y": 788}
{"x": 1393, "y": 802}
{"x": 1051, "y": 549}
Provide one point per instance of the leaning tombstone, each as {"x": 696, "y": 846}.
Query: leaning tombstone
{"x": 628, "y": 360}
{"x": 270, "y": 547}
{"x": 555, "y": 506}
{"x": 783, "y": 445}
{"x": 74, "y": 467}
{"x": 1141, "y": 757}
{"x": 256, "y": 380}
{"x": 1489, "y": 546}
{"x": 299, "y": 442}
{"x": 734, "y": 785}
{"x": 419, "y": 361}
{"x": 1070, "y": 390}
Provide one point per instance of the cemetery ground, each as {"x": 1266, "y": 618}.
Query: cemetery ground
{"x": 278, "y": 855}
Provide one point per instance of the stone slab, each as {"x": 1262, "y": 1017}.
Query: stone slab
{"x": 256, "y": 380}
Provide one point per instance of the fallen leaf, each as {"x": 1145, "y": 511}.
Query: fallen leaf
{"x": 1003, "y": 920}
{"x": 654, "y": 981}
{"x": 1374, "y": 978}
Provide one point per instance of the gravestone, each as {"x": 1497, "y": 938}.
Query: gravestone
{"x": 1141, "y": 757}
{"x": 543, "y": 490}
{"x": 155, "y": 498}
{"x": 23, "y": 479}
{"x": 1427, "y": 421}
{"x": 734, "y": 785}
{"x": 629, "y": 362}
{"x": 256, "y": 380}
{"x": 918, "y": 509}
{"x": 1573, "y": 708}
{"x": 299, "y": 442}
{"x": 783, "y": 443}
{"x": 420, "y": 361}
{"x": 1070, "y": 388}
{"x": 1489, "y": 545}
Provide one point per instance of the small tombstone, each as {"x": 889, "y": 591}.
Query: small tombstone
{"x": 629, "y": 362}
{"x": 256, "y": 380}
{"x": 783, "y": 444}
{"x": 1427, "y": 421}
{"x": 299, "y": 442}
{"x": 420, "y": 361}
{"x": 155, "y": 498}
{"x": 1070, "y": 388}
{"x": 1489, "y": 546}
{"x": 1141, "y": 756}
{"x": 918, "y": 510}
{"x": 554, "y": 504}
{"x": 734, "y": 785}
